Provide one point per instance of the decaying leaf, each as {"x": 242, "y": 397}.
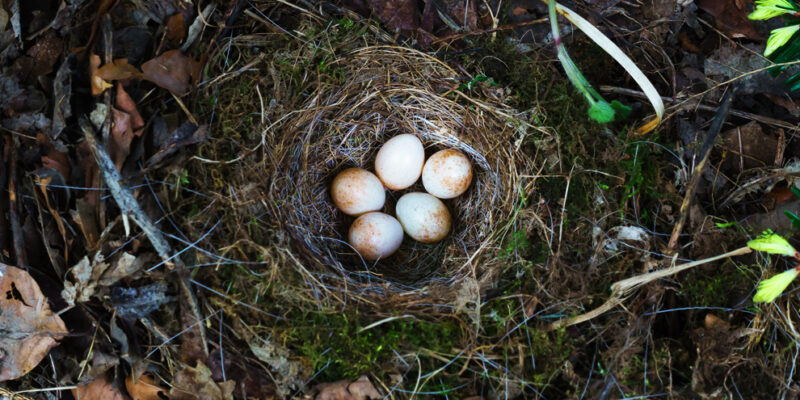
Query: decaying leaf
{"x": 98, "y": 84}
{"x": 196, "y": 384}
{"x": 287, "y": 373}
{"x": 186, "y": 134}
{"x": 88, "y": 275}
{"x": 730, "y": 16}
{"x": 144, "y": 389}
{"x": 117, "y": 70}
{"x": 360, "y": 389}
{"x": 62, "y": 92}
{"x": 83, "y": 286}
{"x": 396, "y": 14}
{"x": 172, "y": 70}
{"x": 99, "y": 389}
{"x": 29, "y": 328}
{"x": 176, "y": 29}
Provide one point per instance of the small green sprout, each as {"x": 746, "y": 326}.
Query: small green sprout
{"x": 779, "y": 37}
{"x": 770, "y": 289}
{"x": 772, "y": 243}
{"x": 766, "y": 9}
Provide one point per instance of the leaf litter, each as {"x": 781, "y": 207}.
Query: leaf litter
{"x": 139, "y": 66}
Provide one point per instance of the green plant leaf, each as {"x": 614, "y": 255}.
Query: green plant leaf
{"x": 795, "y": 190}
{"x": 770, "y": 289}
{"x": 621, "y": 111}
{"x": 772, "y": 243}
{"x": 792, "y": 217}
{"x": 601, "y": 112}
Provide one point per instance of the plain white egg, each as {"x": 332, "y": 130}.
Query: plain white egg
{"x": 356, "y": 191}
{"x": 447, "y": 174}
{"x": 424, "y": 217}
{"x": 399, "y": 161}
{"x": 375, "y": 235}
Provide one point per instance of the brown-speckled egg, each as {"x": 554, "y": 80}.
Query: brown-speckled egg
{"x": 375, "y": 235}
{"x": 424, "y": 217}
{"x": 447, "y": 174}
{"x": 356, "y": 191}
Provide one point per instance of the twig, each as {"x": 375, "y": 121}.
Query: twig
{"x": 130, "y": 207}
{"x": 621, "y": 289}
{"x": 697, "y": 173}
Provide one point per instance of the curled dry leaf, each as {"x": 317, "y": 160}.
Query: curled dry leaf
{"x": 119, "y": 69}
{"x": 99, "y": 389}
{"x": 172, "y": 70}
{"x": 144, "y": 389}
{"x": 30, "y": 329}
{"x": 360, "y": 389}
{"x": 196, "y": 383}
{"x": 98, "y": 84}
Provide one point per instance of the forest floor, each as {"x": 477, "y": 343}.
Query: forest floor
{"x": 166, "y": 228}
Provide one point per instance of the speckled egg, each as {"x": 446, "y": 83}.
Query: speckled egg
{"x": 376, "y": 235}
{"x": 447, "y": 174}
{"x": 424, "y": 217}
{"x": 356, "y": 191}
{"x": 399, "y": 161}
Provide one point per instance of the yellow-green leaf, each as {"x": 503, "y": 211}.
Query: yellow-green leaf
{"x": 770, "y": 289}
{"x": 772, "y": 243}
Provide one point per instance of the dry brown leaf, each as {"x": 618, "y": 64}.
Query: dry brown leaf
{"x": 99, "y": 389}
{"x": 172, "y": 70}
{"x": 119, "y": 145}
{"x": 360, "y": 389}
{"x": 396, "y": 14}
{"x": 117, "y": 70}
{"x": 30, "y": 329}
{"x": 144, "y": 389}
{"x": 176, "y": 29}
{"x": 97, "y": 83}
{"x": 126, "y": 103}
{"x": 730, "y": 18}
{"x": 197, "y": 384}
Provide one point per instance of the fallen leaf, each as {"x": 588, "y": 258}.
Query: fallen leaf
{"x": 119, "y": 145}
{"x": 144, "y": 389}
{"x": 123, "y": 266}
{"x": 730, "y": 18}
{"x": 176, "y": 29}
{"x": 81, "y": 289}
{"x": 360, "y": 389}
{"x": 30, "y": 329}
{"x": 186, "y": 134}
{"x": 172, "y": 70}
{"x": 62, "y": 92}
{"x": 196, "y": 384}
{"x": 456, "y": 10}
{"x": 99, "y": 389}
{"x": 119, "y": 69}
{"x": 396, "y": 14}
{"x": 97, "y": 83}
{"x": 125, "y": 103}
{"x": 52, "y": 157}
{"x": 288, "y": 373}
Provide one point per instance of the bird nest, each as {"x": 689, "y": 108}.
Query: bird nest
{"x": 381, "y": 92}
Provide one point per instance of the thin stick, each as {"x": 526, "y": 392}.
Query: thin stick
{"x": 620, "y": 289}
{"x": 129, "y": 206}
{"x": 705, "y": 151}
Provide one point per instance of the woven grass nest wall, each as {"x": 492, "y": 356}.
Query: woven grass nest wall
{"x": 385, "y": 91}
